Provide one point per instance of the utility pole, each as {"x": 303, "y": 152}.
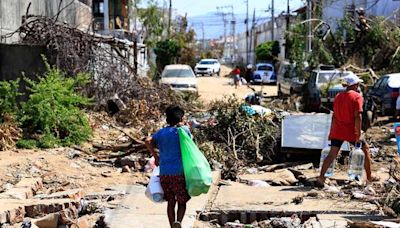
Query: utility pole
{"x": 309, "y": 32}
{"x": 247, "y": 31}
{"x": 223, "y": 14}
{"x": 288, "y": 16}
{"x": 287, "y": 28}
{"x": 169, "y": 18}
{"x": 252, "y": 35}
{"x": 273, "y": 21}
{"x": 203, "y": 40}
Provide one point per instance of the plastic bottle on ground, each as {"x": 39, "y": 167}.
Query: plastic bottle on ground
{"x": 324, "y": 154}
{"x": 356, "y": 166}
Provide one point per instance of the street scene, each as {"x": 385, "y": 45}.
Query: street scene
{"x": 175, "y": 113}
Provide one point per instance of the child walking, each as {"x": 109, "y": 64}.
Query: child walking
{"x": 170, "y": 161}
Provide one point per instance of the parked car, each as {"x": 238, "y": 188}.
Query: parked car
{"x": 381, "y": 97}
{"x": 179, "y": 77}
{"x": 322, "y": 87}
{"x": 264, "y": 73}
{"x": 287, "y": 80}
{"x": 208, "y": 67}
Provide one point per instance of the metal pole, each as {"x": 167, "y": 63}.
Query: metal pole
{"x": 247, "y": 32}
{"x": 309, "y": 32}
{"x": 169, "y": 17}
{"x": 273, "y": 21}
{"x": 203, "y": 42}
{"x": 106, "y": 16}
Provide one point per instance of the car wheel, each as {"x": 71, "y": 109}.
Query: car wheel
{"x": 218, "y": 73}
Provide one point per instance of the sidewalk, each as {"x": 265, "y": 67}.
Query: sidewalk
{"x": 138, "y": 211}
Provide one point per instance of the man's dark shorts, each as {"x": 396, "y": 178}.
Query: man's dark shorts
{"x": 338, "y": 143}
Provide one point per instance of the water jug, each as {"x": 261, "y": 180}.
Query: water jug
{"x": 324, "y": 154}
{"x": 356, "y": 166}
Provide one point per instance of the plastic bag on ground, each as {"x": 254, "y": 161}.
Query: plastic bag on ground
{"x": 154, "y": 190}
{"x": 197, "y": 170}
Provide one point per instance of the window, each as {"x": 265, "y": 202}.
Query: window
{"x": 265, "y": 67}
{"x": 330, "y": 77}
{"x": 384, "y": 82}
{"x": 378, "y": 83}
{"x": 178, "y": 73}
{"x": 207, "y": 62}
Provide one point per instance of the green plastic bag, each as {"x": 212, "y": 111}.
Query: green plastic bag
{"x": 195, "y": 166}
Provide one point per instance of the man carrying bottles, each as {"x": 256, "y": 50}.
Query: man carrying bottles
{"x": 346, "y": 125}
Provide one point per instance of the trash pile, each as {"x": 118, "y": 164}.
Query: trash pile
{"x": 9, "y": 133}
{"x": 104, "y": 57}
{"x": 234, "y": 137}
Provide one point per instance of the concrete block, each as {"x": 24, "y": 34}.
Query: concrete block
{"x": 44, "y": 207}
{"x": 17, "y": 193}
{"x": 104, "y": 195}
{"x": 12, "y": 216}
{"x": 34, "y": 183}
{"x": 75, "y": 194}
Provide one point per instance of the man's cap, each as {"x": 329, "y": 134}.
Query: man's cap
{"x": 351, "y": 79}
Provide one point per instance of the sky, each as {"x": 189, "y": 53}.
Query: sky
{"x": 205, "y": 11}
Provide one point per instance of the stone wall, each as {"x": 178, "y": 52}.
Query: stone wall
{"x": 75, "y": 13}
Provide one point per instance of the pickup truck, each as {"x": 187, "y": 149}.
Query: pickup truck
{"x": 322, "y": 87}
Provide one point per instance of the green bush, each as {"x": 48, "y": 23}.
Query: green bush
{"x": 268, "y": 51}
{"x": 53, "y": 110}
{"x": 8, "y": 98}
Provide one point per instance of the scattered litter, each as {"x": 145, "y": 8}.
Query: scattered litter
{"x": 105, "y": 127}
{"x": 332, "y": 189}
{"x": 374, "y": 151}
{"x": 258, "y": 183}
{"x": 357, "y": 194}
{"x": 252, "y": 170}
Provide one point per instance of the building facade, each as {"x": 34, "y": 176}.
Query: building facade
{"x": 336, "y": 10}
{"x": 259, "y": 34}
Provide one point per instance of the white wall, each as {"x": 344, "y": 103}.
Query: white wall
{"x": 11, "y": 12}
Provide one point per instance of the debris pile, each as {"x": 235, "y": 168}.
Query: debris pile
{"x": 235, "y": 138}
{"x": 106, "y": 58}
{"x": 9, "y": 133}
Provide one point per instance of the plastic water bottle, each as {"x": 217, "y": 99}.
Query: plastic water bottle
{"x": 158, "y": 197}
{"x": 356, "y": 166}
{"x": 324, "y": 154}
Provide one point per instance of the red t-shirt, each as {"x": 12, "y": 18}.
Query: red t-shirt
{"x": 345, "y": 106}
{"x": 236, "y": 71}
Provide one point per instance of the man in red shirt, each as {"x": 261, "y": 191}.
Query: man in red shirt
{"x": 346, "y": 125}
{"x": 236, "y": 76}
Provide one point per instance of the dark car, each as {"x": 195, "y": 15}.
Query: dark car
{"x": 288, "y": 82}
{"x": 381, "y": 97}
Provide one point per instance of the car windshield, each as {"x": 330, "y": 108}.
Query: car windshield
{"x": 264, "y": 67}
{"x": 330, "y": 77}
{"x": 207, "y": 62}
{"x": 178, "y": 73}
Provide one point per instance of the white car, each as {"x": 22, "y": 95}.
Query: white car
{"x": 207, "y": 67}
{"x": 179, "y": 77}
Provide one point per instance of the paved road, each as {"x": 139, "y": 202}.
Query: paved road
{"x": 212, "y": 88}
{"x": 137, "y": 211}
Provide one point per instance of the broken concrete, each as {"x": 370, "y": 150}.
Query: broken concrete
{"x": 278, "y": 177}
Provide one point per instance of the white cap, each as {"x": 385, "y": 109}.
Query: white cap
{"x": 351, "y": 79}
{"x": 249, "y": 66}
